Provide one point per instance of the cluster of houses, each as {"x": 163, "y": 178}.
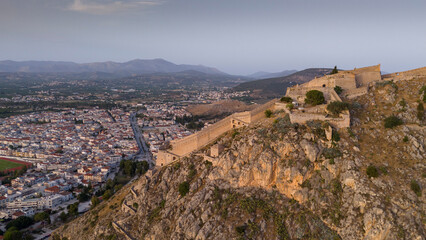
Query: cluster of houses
{"x": 67, "y": 149}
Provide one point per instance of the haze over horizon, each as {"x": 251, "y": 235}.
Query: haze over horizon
{"x": 237, "y": 37}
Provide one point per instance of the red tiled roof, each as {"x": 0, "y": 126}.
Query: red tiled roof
{"x": 18, "y": 213}
{"x": 52, "y": 189}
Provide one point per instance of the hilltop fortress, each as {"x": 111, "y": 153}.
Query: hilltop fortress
{"x": 353, "y": 83}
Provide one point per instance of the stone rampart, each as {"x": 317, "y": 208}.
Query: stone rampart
{"x": 118, "y": 228}
{"x": 299, "y": 93}
{"x": 374, "y": 68}
{"x": 259, "y": 112}
{"x": 192, "y": 142}
{"x": 364, "y": 78}
{"x": 353, "y": 93}
{"x": 183, "y": 147}
{"x": 407, "y": 75}
{"x": 344, "y": 79}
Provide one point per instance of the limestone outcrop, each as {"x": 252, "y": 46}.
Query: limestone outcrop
{"x": 280, "y": 180}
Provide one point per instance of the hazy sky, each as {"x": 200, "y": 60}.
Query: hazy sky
{"x": 236, "y": 36}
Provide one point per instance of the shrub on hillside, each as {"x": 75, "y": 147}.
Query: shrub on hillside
{"x": 420, "y": 111}
{"x": 423, "y": 91}
{"x": 403, "y": 103}
{"x": 334, "y": 71}
{"x": 338, "y": 89}
{"x": 316, "y": 127}
{"x": 337, "y": 107}
{"x": 290, "y": 106}
{"x": 183, "y": 188}
{"x": 268, "y": 113}
{"x": 192, "y": 172}
{"x": 335, "y": 136}
{"x": 235, "y": 133}
{"x": 392, "y": 121}
{"x": 286, "y": 99}
{"x": 331, "y": 153}
{"x": 372, "y": 171}
{"x": 416, "y": 188}
{"x": 314, "y": 97}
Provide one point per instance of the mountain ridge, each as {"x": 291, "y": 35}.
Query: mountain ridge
{"x": 263, "y": 75}
{"x": 135, "y": 66}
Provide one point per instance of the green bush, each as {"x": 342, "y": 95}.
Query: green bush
{"x": 208, "y": 164}
{"x": 314, "y": 97}
{"x": 107, "y": 194}
{"x": 183, "y": 188}
{"x": 235, "y": 133}
{"x": 286, "y": 99}
{"x": 336, "y": 186}
{"x": 95, "y": 201}
{"x": 392, "y": 121}
{"x": 338, "y": 89}
{"x": 423, "y": 91}
{"x": 416, "y": 188}
{"x": 337, "y": 107}
{"x": 335, "y": 136}
{"x": 420, "y": 111}
{"x": 192, "y": 172}
{"x": 20, "y": 223}
{"x": 12, "y": 234}
{"x": 334, "y": 71}
{"x": 372, "y": 171}
{"x": 290, "y": 106}
{"x": 331, "y": 153}
{"x": 405, "y": 139}
{"x": 268, "y": 113}
{"x": 41, "y": 216}
{"x": 241, "y": 229}
{"x": 403, "y": 103}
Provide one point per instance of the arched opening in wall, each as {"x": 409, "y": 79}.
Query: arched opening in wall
{"x": 323, "y": 85}
{"x": 161, "y": 164}
{"x": 174, "y": 158}
{"x": 233, "y": 126}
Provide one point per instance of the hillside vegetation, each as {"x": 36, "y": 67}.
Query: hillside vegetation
{"x": 278, "y": 180}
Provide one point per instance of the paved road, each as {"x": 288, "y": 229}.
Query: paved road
{"x": 144, "y": 153}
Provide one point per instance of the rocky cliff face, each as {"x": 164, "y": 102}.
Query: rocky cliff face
{"x": 277, "y": 180}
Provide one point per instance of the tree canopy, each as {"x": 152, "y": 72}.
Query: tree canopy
{"x": 334, "y": 71}
{"x": 314, "y": 97}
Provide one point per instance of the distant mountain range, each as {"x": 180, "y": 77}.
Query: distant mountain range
{"x": 264, "y": 75}
{"x": 275, "y": 87}
{"x": 137, "y": 66}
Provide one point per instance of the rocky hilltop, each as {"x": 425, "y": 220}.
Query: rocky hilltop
{"x": 278, "y": 180}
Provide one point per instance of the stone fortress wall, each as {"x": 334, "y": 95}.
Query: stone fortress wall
{"x": 407, "y": 75}
{"x": 185, "y": 146}
{"x": 353, "y": 82}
